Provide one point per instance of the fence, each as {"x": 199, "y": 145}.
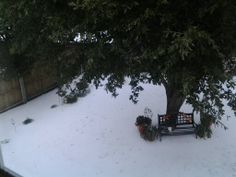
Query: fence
{"x": 10, "y": 94}
{"x": 20, "y": 90}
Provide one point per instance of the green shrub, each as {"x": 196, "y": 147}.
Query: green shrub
{"x": 71, "y": 98}
{"x": 150, "y": 133}
{"x": 143, "y": 120}
{"x": 72, "y": 90}
{"x": 146, "y": 130}
{"x": 203, "y": 129}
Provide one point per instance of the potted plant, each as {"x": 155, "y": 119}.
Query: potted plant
{"x": 146, "y": 130}
{"x": 142, "y": 123}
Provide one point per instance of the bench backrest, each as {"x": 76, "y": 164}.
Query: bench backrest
{"x": 174, "y": 120}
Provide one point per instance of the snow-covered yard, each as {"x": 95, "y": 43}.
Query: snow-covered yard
{"x": 97, "y": 137}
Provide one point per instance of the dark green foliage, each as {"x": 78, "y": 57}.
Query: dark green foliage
{"x": 203, "y": 132}
{"x": 188, "y": 46}
{"x": 140, "y": 120}
{"x": 71, "y": 98}
{"x": 204, "y": 129}
{"x": 72, "y": 90}
{"x": 150, "y": 133}
{"x": 82, "y": 88}
{"x": 147, "y": 132}
{"x": 232, "y": 103}
{"x": 144, "y": 124}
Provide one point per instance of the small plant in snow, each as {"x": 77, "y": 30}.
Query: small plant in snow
{"x": 27, "y": 121}
{"x": 142, "y": 120}
{"x": 82, "y": 88}
{"x": 54, "y": 106}
{"x": 71, "y": 91}
{"x": 71, "y": 98}
{"x": 144, "y": 124}
{"x": 204, "y": 129}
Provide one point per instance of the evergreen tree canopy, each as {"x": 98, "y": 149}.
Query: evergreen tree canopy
{"x": 188, "y": 46}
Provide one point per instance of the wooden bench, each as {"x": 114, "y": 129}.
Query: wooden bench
{"x": 183, "y": 123}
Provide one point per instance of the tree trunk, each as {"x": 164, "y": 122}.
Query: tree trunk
{"x": 174, "y": 99}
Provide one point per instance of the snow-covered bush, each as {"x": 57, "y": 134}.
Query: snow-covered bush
{"x": 144, "y": 124}
{"x": 71, "y": 98}
{"x": 150, "y": 133}
{"x": 203, "y": 129}
{"x": 74, "y": 89}
{"x": 142, "y": 120}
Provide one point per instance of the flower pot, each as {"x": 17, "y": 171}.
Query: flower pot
{"x": 141, "y": 129}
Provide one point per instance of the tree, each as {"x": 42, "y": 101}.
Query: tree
{"x": 188, "y": 46}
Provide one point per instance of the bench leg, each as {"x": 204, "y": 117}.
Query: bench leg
{"x": 160, "y": 136}
{"x": 159, "y": 133}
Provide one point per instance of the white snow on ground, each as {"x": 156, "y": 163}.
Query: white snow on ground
{"x": 97, "y": 137}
